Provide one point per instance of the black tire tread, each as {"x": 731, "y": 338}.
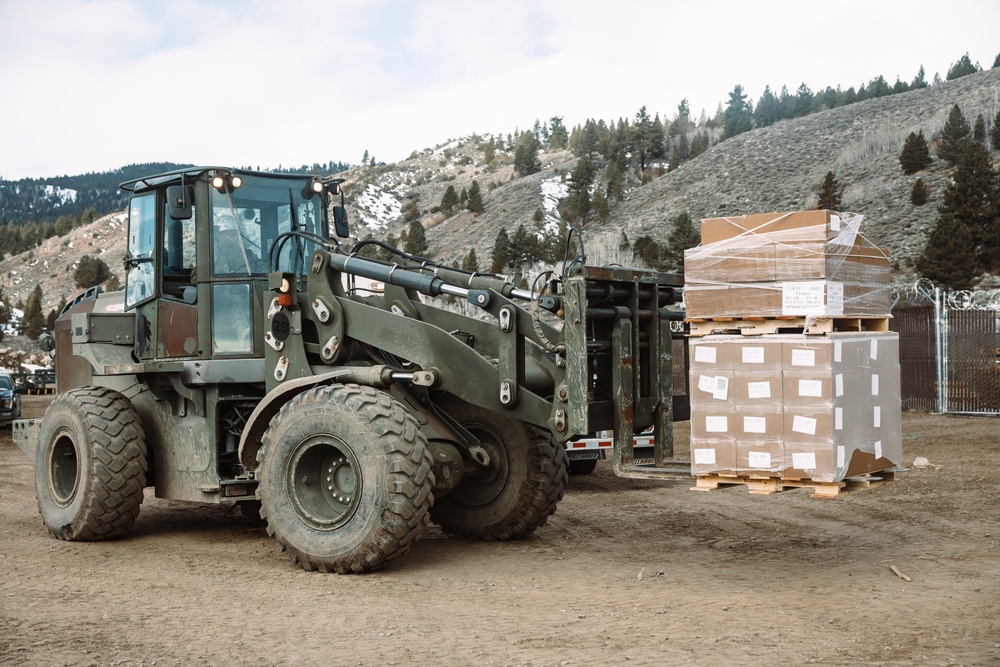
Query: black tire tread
{"x": 410, "y": 477}
{"x": 117, "y": 477}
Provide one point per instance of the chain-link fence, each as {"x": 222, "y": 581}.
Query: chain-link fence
{"x": 949, "y": 348}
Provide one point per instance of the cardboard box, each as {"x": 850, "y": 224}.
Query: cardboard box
{"x": 713, "y": 456}
{"x": 757, "y": 388}
{"x": 735, "y": 263}
{"x": 787, "y": 227}
{"x": 762, "y": 456}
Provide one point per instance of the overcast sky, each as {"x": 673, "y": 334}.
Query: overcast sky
{"x": 95, "y": 85}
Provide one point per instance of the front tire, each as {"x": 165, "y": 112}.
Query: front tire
{"x": 519, "y": 489}
{"x": 90, "y": 465}
{"x": 345, "y": 479}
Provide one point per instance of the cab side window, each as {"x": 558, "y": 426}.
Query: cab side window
{"x": 140, "y": 278}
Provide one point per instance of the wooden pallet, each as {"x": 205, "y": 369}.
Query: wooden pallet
{"x": 756, "y": 326}
{"x": 765, "y": 485}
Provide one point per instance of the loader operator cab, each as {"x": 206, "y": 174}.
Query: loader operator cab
{"x": 201, "y": 242}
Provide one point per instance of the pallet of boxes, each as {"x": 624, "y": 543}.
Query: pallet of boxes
{"x": 794, "y": 372}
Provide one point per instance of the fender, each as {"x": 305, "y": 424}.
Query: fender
{"x": 252, "y": 437}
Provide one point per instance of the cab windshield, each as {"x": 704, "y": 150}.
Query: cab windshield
{"x": 247, "y": 220}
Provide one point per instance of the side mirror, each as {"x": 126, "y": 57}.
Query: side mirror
{"x": 180, "y": 201}
{"x": 340, "y": 222}
{"x": 46, "y": 342}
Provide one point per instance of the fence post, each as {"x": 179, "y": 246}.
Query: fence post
{"x": 941, "y": 343}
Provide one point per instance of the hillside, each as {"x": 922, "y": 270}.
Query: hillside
{"x": 775, "y": 168}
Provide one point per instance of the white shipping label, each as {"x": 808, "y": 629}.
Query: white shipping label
{"x": 805, "y": 425}
{"x": 716, "y": 423}
{"x": 706, "y": 383}
{"x": 760, "y": 460}
{"x": 878, "y": 417}
{"x": 839, "y": 381}
{"x": 753, "y": 355}
{"x": 803, "y": 357}
{"x": 754, "y": 424}
{"x": 873, "y": 353}
{"x": 812, "y": 388}
{"x": 804, "y": 460}
{"x": 758, "y": 389}
{"x": 721, "y": 391}
{"x": 878, "y": 449}
{"x": 834, "y": 226}
{"x": 704, "y": 457}
{"x": 841, "y": 456}
{"x": 834, "y": 299}
{"x": 704, "y": 354}
{"x": 874, "y": 384}
{"x": 804, "y": 298}
{"x": 838, "y": 351}
{"x": 838, "y": 419}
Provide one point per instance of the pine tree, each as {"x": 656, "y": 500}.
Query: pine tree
{"x": 501, "y": 251}
{"x": 767, "y": 111}
{"x": 919, "y": 81}
{"x": 968, "y": 224}
{"x": 949, "y": 258}
{"x": 995, "y": 133}
{"x": 522, "y": 247}
{"x": 470, "y": 263}
{"x": 577, "y": 203}
{"x": 526, "y": 159}
{"x": 558, "y": 136}
{"x": 682, "y": 236}
{"x": 830, "y": 193}
{"x": 449, "y": 200}
{"x": 90, "y": 271}
{"x": 416, "y": 239}
{"x": 738, "y": 115}
{"x": 644, "y": 140}
{"x": 915, "y": 154}
{"x": 919, "y": 194}
{"x": 956, "y": 129}
{"x": 475, "y": 201}
{"x": 33, "y": 321}
{"x": 490, "y": 151}
{"x": 979, "y": 129}
{"x": 963, "y": 67}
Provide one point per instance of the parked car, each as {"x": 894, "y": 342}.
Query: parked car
{"x": 10, "y": 400}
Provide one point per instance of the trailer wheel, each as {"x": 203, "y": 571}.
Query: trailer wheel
{"x": 345, "y": 479}
{"x": 519, "y": 489}
{"x": 90, "y": 465}
{"x": 582, "y": 467}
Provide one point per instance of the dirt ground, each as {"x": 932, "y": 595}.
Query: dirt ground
{"x": 625, "y": 573}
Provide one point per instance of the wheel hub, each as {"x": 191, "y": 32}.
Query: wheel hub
{"x": 323, "y": 481}
{"x": 64, "y": 471}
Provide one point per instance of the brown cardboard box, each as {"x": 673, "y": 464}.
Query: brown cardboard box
{"x": 713, "y": 456}
{"x": 786, "y": 227}
{"x": 763, "y": 456}
{"x": 757, "y": 354}
{"x": 735, "y": 262}
{"x": 735, "y": 300}
{"x": 756, "y": 388}
{"x": 712, "y": 422}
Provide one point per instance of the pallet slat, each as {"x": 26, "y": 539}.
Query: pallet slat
{"x": 765, "y": 485}
{"x": 756, "y": 326}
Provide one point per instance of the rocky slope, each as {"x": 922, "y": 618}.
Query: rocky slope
{"x": 769, "y": 169}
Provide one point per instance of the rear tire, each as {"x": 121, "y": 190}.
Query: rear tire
{"x": 345, "y": 479}
{"x": 90, "y": 465}
{"x": 519, "y": 489}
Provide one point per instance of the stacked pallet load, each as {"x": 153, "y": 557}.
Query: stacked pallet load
{"x": 806, "y": 393}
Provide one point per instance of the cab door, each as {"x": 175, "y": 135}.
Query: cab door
{"x": 140, "y": 271}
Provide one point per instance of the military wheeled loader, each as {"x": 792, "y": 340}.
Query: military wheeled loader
{"x": 334, "y": 394}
